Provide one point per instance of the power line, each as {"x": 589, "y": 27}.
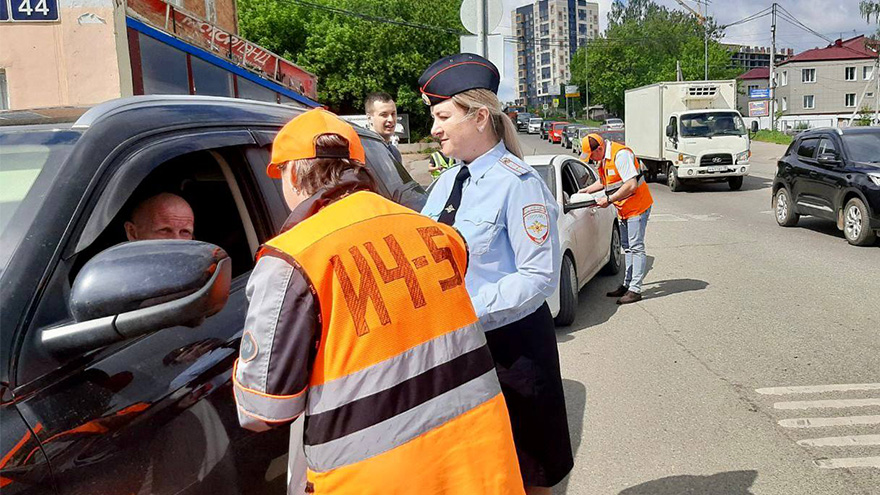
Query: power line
{"x": 755, "y": 16}
{"x": 373, "y": 18}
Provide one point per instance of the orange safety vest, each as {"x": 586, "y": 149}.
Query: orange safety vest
{"x": 403, "y": 395}
{"x": 640, "y": 200}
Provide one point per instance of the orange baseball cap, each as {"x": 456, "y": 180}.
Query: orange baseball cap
{"x": 595, "y": 136}
{"x": 296, "y": 141}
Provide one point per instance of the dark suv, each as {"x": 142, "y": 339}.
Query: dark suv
{"x": 116, "y": 357}
{"x": 833, "y": 174}
{"x": 545, "y": 129}
{"x": 522, "y": 121}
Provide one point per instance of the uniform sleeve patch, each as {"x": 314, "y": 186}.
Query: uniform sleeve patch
{"x": 536, "y": 222}
{"x": 249, "y": 349}
{"x": 511, "y": 165}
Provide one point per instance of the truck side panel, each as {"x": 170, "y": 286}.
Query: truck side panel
{"x": 643, "y": 113}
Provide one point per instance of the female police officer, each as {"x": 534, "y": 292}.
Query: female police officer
{"x": 508, "y": 218}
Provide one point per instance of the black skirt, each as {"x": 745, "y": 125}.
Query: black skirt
{"x": 527, "y": 362}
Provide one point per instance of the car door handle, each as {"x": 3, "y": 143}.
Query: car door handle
{"x": 593, "y": 211}
{"x": 814, "y": 175}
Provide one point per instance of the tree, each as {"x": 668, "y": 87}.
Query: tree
{"x": 641, "y": 45}
{"x": 868, "y": 9}
{"x": 353, "y": 56}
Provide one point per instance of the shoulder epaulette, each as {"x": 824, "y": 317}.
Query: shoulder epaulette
{"x": 512, "y": 166}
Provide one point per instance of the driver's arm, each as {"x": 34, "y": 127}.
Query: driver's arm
{"x": 592, "y": 188}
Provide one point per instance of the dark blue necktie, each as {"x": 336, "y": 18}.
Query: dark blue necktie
{"x": 451, "y": 208}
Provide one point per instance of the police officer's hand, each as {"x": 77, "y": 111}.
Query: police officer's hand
{"x": 602, "y": 202}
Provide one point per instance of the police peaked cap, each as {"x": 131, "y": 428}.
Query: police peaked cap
{"x": 456, "y": 74}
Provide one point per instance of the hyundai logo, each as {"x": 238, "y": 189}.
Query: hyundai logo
{"x": 717, "y": 159}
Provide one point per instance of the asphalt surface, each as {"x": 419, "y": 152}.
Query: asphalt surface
{"x": 687, "y": 391}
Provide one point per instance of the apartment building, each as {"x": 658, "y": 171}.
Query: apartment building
{"x": 548, "y": 34}
{"x": 825, "y": 86}
{"x": 755, "y": 79}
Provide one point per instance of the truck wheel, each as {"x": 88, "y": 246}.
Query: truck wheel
{"x": 568, "y": 293}
{"x": 672, "y": 179}
{"x": 735, "y": 183}
{"x": 784, "y": 209}
{"x": 856, "y": 224}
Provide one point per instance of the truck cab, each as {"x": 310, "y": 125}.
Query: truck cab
{"x": 706, "y": 145}
{"x": 689, "y": 131}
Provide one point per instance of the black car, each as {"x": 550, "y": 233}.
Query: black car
{"x": 522, "y": 121}
{"x": 545, "y": 129}
{"x": 832, "y": 174}
{"x": 114, "y": 375}
{"x": 569, "y": 134}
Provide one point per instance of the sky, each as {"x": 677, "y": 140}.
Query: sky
{"x": 833, "y": 19}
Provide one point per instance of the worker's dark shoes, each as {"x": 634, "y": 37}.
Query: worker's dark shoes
{"x": 630, "y": 297}
{"x": 618, "y": 291}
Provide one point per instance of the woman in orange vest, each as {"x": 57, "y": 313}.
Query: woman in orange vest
{"x": 359, "y": 318}
{"x": 627, "y": 190}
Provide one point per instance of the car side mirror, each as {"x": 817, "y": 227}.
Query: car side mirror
{"x": 754, "y": 127}
{"x": 670, "y": 131}
{"x": 579, "y": 201}
{"x": 830, "y": 159}
{"x": 137, "y": 288}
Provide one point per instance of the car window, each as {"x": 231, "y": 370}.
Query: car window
{"x": 546, "y": 173}
{"x": 569, "y": 183}
{"x": 583, "y": 176}
{"x": 807, "y": 147}
{"x": 827, "y": 146}
{"x": 29, "y": 161}
{"x": 401, "y": 186}
{"x": 227, "y": 209}
{"x": 863, "y": 147}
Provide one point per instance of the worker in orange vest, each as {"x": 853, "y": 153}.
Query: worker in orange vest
{"x": 624, "y": 187}
{"x": 360, "y": 319}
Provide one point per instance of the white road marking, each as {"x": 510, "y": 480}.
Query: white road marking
{"x": 848, "y": 462}
{"x": 767, "y": 212}
{"x": 836, "y": 404}
{"x": 848, "y": 441}
{"x": 815, "y": 389}
{"x": 824, "y": 422}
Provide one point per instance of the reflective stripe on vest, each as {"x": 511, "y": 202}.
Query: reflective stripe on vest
{"x": 640, "y": 200}
{"x": 402, "y": 375}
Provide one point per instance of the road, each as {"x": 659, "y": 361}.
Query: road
{"x": 694, "y": 390}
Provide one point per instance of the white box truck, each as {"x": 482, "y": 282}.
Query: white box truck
{"x": 688, "y": 131}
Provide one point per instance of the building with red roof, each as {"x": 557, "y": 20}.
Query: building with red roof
{"x": 825, "y": 86}
{"x": 757, "y": 78}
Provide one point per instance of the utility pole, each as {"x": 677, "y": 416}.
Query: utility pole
{"x": 482, "y": 27}
{"x": 586, "y": 80}
{"x": 772, "y": 82}
{"x": 706, "y": 40}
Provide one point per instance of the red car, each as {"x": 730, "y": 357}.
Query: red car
{"x": 556, "y": 131}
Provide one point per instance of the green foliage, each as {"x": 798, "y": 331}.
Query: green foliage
{"x": 869, "y": 9}
{"x": 353, "y": 56}
{"x": 640, "y": 47}
{"x": 801, "y": 125}
{"x": 767, "y": 136}
{"x": 865, "y": 117}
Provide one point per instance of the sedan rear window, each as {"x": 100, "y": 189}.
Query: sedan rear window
{"x": 807, "y": 148}
{"x": 863, "y": 147}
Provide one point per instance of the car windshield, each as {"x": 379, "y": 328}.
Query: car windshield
{"x": 615, "y": 121}
{"x": 863, "y": 147}
{"x": 29, "y": 160}
{"x": 535, "y": 121}
{"x": 710, "y": 124}
{"x": 546, "y": 173}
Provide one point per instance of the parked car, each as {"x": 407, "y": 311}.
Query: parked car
{"x": 616, "y": 136}
{"x": 545, "y": 129}
{"x": 569, "y": 134}
{"x": 535, "y": 125}
{"x": 555, "y": 134}
{"x": 833, "y": 174}
{"x": 114, "y": 375}
{"x": 577, "y": 143}
{"x": 589, "y": 237}
{"x": 612, "y": 124}
{"x": 522, "y": 121}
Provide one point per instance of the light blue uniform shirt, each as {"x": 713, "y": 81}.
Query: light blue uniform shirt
{"x": 508, "y": 218}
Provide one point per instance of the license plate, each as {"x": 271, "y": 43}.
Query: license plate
{"x": 718, "y": 169}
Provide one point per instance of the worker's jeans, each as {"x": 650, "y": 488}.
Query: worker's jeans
{"x": 632, "y": 237}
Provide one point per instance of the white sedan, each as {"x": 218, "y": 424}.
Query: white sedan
{"x": 588, "y": 236}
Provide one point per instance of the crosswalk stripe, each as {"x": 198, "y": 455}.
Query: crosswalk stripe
{"x": 835, "y": 404}
{"x": 848, "y": 441}
{"x": 823, "y": 422}
{"x": 815, "y": 389}
{"x": 848, "y": 462}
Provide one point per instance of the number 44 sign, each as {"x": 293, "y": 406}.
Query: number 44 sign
{"x": 29, "y": 10}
